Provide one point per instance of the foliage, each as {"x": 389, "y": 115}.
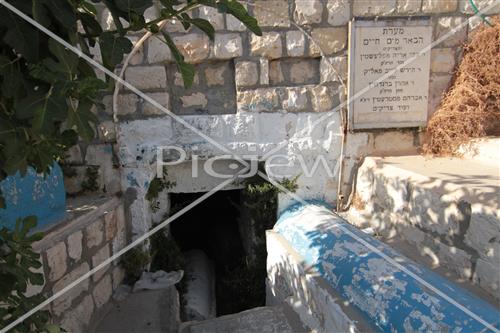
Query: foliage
{"x": 259, "y": 213}
{"x": 135, "y": 262}
{"x": 165, "y": 253}
{"x": 156, "y": 186}
{"x": 18, "y": 263}
{"x": 47, "y": 92}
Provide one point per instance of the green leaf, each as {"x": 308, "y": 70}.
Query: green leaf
{"x": 204, "y": 26}
{"x": 40, "y": 13}
{"x": 187, "y": 70}
{"x": 67, "y": 59}
{"x": 113, "y": 48}
{"x": 28, "y": 223}
{"x": 63, "y": 11}
{"x": 236, "y": 9}
{"x": 44, "y": 108}
{"x": 20, "y": 35}
{"x": 82, "y": 118}
{"x": 11, "y": 77}
{"x": 51, "y": 328}
{"x": 138, "y": 6}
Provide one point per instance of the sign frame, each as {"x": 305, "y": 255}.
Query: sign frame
{"x": 422, "y": 21}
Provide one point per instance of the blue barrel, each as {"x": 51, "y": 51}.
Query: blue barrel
{"x": 33, "y": 194}
{"x": 391, "y": 291}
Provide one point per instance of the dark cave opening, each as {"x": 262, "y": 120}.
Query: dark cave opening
{"x": 213, "y": 226}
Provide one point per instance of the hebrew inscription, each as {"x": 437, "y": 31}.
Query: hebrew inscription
{"x": 389, "y": 74}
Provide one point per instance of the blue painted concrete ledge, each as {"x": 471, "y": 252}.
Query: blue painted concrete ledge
{"x": 33, "y": 194}
{"x": 389, "y": 290}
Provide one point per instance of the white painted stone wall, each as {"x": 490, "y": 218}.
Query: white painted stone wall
{"x": 252, "y": 93}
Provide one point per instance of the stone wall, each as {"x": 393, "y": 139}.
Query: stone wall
{"x": 94, "y": 231}
{"x": 253, "y": 93}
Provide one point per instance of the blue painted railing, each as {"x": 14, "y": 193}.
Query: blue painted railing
{"x": 391, "y": 291}
{"x": 33, "y": 194}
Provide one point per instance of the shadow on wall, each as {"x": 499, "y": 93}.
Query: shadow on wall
{"x": 451, "y": 218}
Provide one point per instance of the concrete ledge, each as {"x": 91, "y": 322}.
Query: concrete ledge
{"x": 80, "y": 212}
{"x": 446, "y": 207}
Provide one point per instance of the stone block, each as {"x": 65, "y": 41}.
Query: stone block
{"x": 146, "y": 77}
{"x": 322, "y": 98}
{"x": 194, "y": 100}
{"x": 110, "y": 225}
{"x": 439, "y": 6}
{"x": 138, "y": 57}
{"x": 109, "y": 176}
{"x": 333, "y": 69}
{"x": 56, "y": 260}
{"x": 97, "y": 259}
{"x": 308, "y": 11}
{"x": 94, "y": 234}
{"x": 213, "y": 16}
{"x": 195, "y": 47}
{"x": 271, "y": 13}
{"x": 74, "y": 155}
{"x": 120, "y": 240}
{"x": 227, "y": 46}
{"x": 126, "y": 104}
{"x": 78, "y": 319}
{"x": 394, "y": 143}
{"x": 296, "y": 100}
{"x": 162, "y": 98}
{"x": 438, "y": 85}
{"x": 275, "y": 72}
{"x": 408, "y": 6}
{"x": 75, "y": 245}
{"x": 106, "y": 131}
{"x": 373, "y": 7}
{"x": 466, "y": 8}
{"x": 214, "y": 76}
{"x": 268, "y": 45}
{"x": 329, "y": 40}
{"x": 442, "y": 60}
{"x": 118, "y": 275}
{"x": 246, "y": 73}
{"x": 443, "y": 27}
{"x": 303, "y": 72}
{"x": 295, "y": 43}
{"x": 73, "y": 184}
{"x": 258, "y": 100}
{"x": 64, "y": 302}
{"x": 264, "y": 71}
{"x": 339, "y": 12}
{"x": 102, "y": 291}
{"x": 158, "y": 51}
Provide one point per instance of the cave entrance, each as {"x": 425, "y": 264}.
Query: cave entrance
{"x": 215, "y": 227}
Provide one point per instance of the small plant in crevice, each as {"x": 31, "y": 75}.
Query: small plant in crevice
{"x": 18, "y": 265}
{"x": 135, "y": 261}
{"x": 90, "y": 184}
{"x": 156, "y": 186}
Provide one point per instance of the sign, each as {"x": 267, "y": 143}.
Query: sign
{"x": 389, "y": 71}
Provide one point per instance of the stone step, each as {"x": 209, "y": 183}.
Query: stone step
{"x": 267, "y": 319}
{"x": 446, "y": 209}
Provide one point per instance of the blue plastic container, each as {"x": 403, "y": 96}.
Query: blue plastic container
{"x": 33, "y": 194}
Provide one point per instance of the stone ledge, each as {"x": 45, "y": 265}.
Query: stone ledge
{"x": 80, "y": 212}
